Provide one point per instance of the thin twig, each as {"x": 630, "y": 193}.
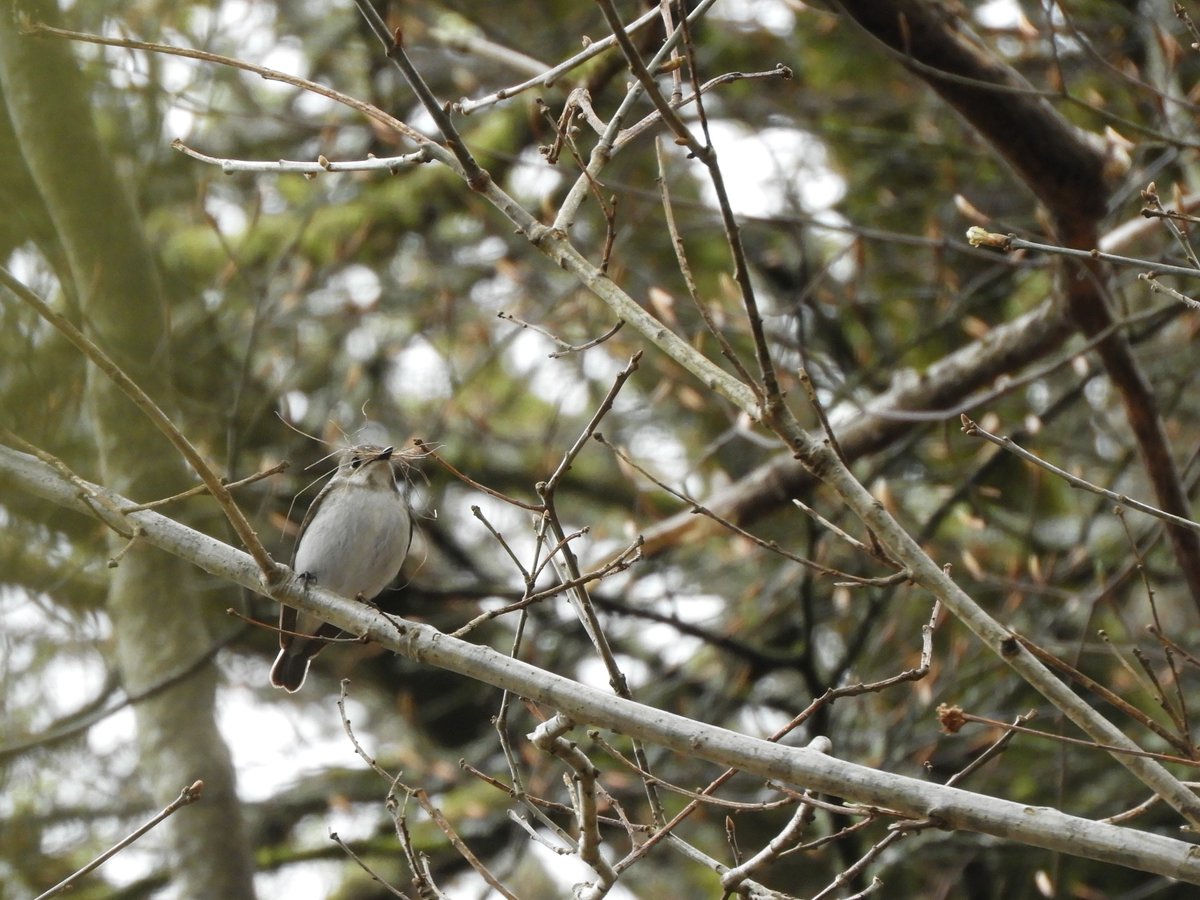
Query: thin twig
{"x": 187, "y": 796}
{"x": 362, "y": 864}
{"x": 1167, "y": 642}
{"x": 393, "y": 43}
{"x": 567, "y": 348}
{"x": 787, "y": 838}
{"x": 371, "y": 112}
{"x": 1157, "y": 287}
{"x": 619, "y": 563}
{"x": 587, "y": 345}
{"x": 1178, "y": 713}
{"x": 689, "y": 281}
{"x": 915, "y": 674}
{"x": 972, "y": 428}
{"x": 902, "y": 829}
{"x": 981, "y": 237}
{"x": 547, "y": 78}
{"x": 829, "y": 526}
{"x": 991, "y": 752}
{"x": 952, "y": 718}
{"x": 1136, "y": 673}
{"x": 606, "y": 147}
{"x": 203, "y": 488}
{"x": 856, "y": 580}
{"x": 605, "y": 406}
{"x": 578, "y": 595}
{"x": 457, "y": 842}
{"x": 548, "y": 737}
{"x": 634, "y": 131}
{"x": 1109, "y": 696}
{"x": 468, "y": 480}
{"x": 1154, "y": 204}
{"x": 343, "y": 692}
{"x": 390, "y": 164}
{"x": 707, "y": 799}
{"x": 772, "y": 398}
{"x": 478, "y": 513}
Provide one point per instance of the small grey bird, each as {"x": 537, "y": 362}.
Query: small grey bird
{"x": 352, "y": 542}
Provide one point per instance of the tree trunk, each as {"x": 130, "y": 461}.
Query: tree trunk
{"x": 158, "y": 623}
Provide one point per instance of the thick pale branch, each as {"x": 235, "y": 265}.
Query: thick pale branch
{"x": 801, "y": 767}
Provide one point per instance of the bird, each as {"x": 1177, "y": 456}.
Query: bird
{"x": 353, "y": 541}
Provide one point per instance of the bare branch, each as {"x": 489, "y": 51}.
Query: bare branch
{"x": 973, "y": 429}
{"x": 187, "y": 796}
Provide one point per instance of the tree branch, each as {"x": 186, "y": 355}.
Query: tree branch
{"x": 800, "y": 767}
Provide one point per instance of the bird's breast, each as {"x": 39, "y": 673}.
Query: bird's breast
{"x": 356, "y": 541}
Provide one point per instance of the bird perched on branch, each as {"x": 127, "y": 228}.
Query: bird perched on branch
{"x": 353, "y": 542}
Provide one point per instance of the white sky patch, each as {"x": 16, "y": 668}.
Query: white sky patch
{"x": 362, "y": 344}
{"x": 660, "y": 451}
{"x": 252, "y": 25}
{"x": 294, "y": 406}
{"x": 516, "y": 525}
{"x": 775, "y": 16}
{"x": 762, "y": 722}
{"x": 485, "y": 251}
{"x": 672, "y": 648}
{"x": 302, "y": 881}
{"x": 356, "y": 285}
{"x": 60, "y": 679}
{"x": 593, "y": 672}
{"x": 527, "y": 355}
{"x": 842, "y": 265}
{"x": 28, "y": 265}
{"x": 532, "y": 178}
{"x": 260, "y": 734}
{"x": 667, "y": 593}
{"x": 229, "y": 216}
{"x": 176, "y": 74}
{"x": 1038, "y": 396}
{"x": 772, "y": 171}
{"x": 419, "y": 119}
{"x": 286, "y": 56}
{"x": 998, "y": 14}
{"x": 314, "y": 106}
{"x": 419, "y": 370}
{"x": 273, "y": 200}
{"x": 600, "y": 365}
{"x": 567, "y": 871}
{"x": 178, "y": 122}
{"x": 361, "y": 285}
{"x": 494, "y": 294}
{"x": 113, "y": 732}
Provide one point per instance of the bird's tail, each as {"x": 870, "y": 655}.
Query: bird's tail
{"x": 290, "y": 668}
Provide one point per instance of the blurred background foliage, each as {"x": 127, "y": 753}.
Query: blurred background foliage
{"x": 328, "y": 304}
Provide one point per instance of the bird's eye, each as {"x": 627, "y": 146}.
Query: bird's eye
{"x": 356, "y": 462}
